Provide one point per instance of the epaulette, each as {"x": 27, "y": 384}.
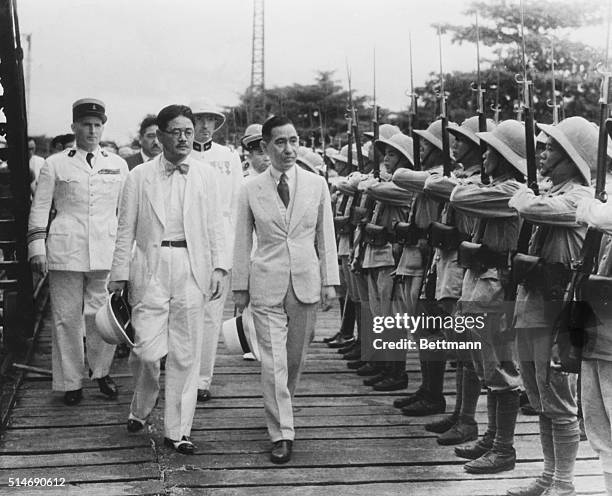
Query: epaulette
{"x": 72, "y": 153}
{"x": 104, "y": 153}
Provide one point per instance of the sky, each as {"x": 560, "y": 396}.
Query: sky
{"x": 140, "y": 55}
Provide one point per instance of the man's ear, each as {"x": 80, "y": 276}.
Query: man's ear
{"x": 72, "y": 126}
{"x": 263, "y": 145}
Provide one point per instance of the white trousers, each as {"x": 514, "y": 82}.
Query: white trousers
{"x": 75, "y": 299}
{"x": 213, "y": 321}
{"x": 283, "y": 333}
{"x": 168, "y": 320}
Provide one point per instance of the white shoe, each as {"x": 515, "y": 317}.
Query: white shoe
{"x": 249, "y": 356}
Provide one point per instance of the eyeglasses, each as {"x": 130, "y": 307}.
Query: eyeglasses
{"x": 176, "y": 132}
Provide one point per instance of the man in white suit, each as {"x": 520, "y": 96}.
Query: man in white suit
{"x": 170, "y": 211}
{"x": 294, "y": 267}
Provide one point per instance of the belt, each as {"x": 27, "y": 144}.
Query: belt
{"x": 175, "y": 244}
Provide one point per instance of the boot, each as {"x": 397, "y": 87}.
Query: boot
{"x": 492, "y": 462}
{"x": 506, "y": 412}
{"x": 464, "y": 430}
{"x": 376, "y": 378}
{"x": 560, "y": 489}
{"x": 407, "y": 400}
{"x": 440, "y": 426}
{"x": 392, "y": 383}
{"x": 537, "y": 488}
{"x": 476, "y": 450}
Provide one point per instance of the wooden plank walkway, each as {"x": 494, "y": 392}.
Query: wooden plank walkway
{"x": 350, "y": 440}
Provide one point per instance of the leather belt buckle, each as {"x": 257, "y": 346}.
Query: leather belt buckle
{"x": 175, "y": 244}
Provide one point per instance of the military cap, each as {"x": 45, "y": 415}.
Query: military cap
{"x": 88, "y": 107}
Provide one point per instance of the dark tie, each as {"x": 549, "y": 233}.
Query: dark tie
{"x": 283, "y": 189}
{"x": 89, "y": 157}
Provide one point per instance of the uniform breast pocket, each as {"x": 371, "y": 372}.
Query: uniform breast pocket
{"x": 111, "y": 184}
{"x": 67, "y": 188}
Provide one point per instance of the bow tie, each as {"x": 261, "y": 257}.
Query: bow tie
{"x": 202, "y": 147}
{"x": 182, "y": 168}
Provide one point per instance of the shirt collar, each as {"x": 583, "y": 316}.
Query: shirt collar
{"x": 276, "y": 174}
{"x": 202, "y": 147}
{"x": 83, "y": 153}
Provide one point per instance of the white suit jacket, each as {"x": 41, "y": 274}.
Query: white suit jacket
{"x": 302, "y": 250}
{"x": 142, "y": 217}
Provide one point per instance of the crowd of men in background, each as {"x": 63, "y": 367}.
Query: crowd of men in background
{"x": 411, "y": 239}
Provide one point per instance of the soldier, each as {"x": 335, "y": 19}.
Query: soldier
{"x": 569, "y": 159}
{"x": 84, "y": 185}
{"x": 596, "y": 372}
{"x": 381, "y": 255}
{"x": 484, "y": 292}
{"x": 208, "y": 120}
{"x": 417, "y": 258}
{"x": 149, "y": 144}
{"x": 460, "y": 426}
{"x": 256, "y": 159}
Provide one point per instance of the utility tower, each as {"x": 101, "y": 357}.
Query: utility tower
{"x": 256, "y": 90}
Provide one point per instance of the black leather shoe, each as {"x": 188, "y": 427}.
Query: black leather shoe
{"x": 537, "y": 488}
{"x": 134, "y": 425}
{"x": 203, "y": 395}
{"x": 375, "y": 378}
{"x": 441, "y": 426}
{"x": 332, "y": 338}
{"x": 72, "y": 398}
{"x": 407, "y": 400}
{"x": 184, "y": 446}
{"x": 341, "y": 342}
{"x": 354, "y": 354}
{"x": 476, "y": 450}
{"x": 368, "y": 370}
{"x": 356, "y": 364}
{"x": 423, "y": 407}
{"x": 281, "y": 451}
{"x": 392, "y": 384}
{"x": 107, "y": 387}
{"x": 492, "y": 462}
{"x": 348, "y": 348}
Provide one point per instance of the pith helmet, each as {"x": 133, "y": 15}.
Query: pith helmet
{"x": 579, "y": 139}
{"x": 384, "y": 131}
{"x": 113, "y": 320}
{"x": 206, "y": 106}
{"x": 251, "y": 134}
{"x": 343, "y": 155}
{"x": 469, "y": 128}
{"x": 311, "y": 160}
{"x": 433, "y": 134}
{"x": 508, "y": 139}
{"x": 401, "y": 143}
{"x": 239, "y": 334}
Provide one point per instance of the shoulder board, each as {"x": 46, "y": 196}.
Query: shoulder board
{"x": 72, "y": 153}
{"x": 104, "y": 154}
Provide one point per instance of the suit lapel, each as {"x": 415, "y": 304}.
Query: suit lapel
{"x": 190, "y": 192}
{"x": 155, "y": 193}
{"x": 266, "y": 195}
{"x": 302, "y": 197}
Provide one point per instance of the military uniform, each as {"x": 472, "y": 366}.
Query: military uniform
{"x": 79, "y": 250}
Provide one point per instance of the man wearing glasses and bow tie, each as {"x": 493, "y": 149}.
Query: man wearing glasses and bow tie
{"x": 295, "y": 265}
{"x": 170, "y": 211}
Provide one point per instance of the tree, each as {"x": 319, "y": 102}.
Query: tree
{"x": 577, "y": 83}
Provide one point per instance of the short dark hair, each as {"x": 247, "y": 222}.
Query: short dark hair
{"x": 271, "y": 123}
{"x": 67, "y": 138}
{"x": 172, "y": 112}
{"x": 148, "y": 121}
{"x": 58, "y": 140}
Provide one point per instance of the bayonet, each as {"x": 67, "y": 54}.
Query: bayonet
{"x": 443, "y": 116}
{"x": 482, "y": 118}
{"x": 412, "y": 112}
{"x": 355, "y": 122}
{"x": 496, "y": 108}
{"x": 375, "y": 123}
{"x": 552, "y": 103}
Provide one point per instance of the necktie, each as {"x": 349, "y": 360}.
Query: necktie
{"x": 89, "y": 157}
{"x": 283, "y": 189}
{"x": 182, "y": 168}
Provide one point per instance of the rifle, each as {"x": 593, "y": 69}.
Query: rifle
{"x": 568, "y": 336}
{"x": 412, "y": 113}
{"x": 351, "y": 109}
{"x": 322, "y": 131}
{"x": 482, "y": 118}
{"x": 349, "y": 134}
{"x": 496, "y": 108}
{"x": 552, "y": 103}
{"x": 375, "y": 126}
{"x": 443, "y": 116}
